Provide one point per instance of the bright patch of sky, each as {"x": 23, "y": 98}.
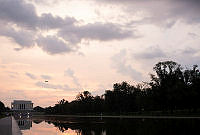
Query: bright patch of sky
{"x": 89, "y": 45}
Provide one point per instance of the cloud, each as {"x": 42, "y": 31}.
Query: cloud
{"x": 95, "y": 31}
{"x": 193, "y": 35}
{"x": 24, "y": 38}
{"x": 24, "y": 15}
{"x": 48, "y": 21}
{"x": 69, "y": 72}
{"x": 46, "y": 77}
{"x": 55, "y": 86}
{"x": 152, "y": 52}
{"x": 32, "y": 76}
{"x": 18, "y": 12}
{"x": 119, "y": 63}
{"x": 53, "y": 45}
{"x": 13, "y": 74}
{"x": 187, "y": 56}
{"x": 47, "y": 85}
{"x": 189, "y": 51}
{"x": 23, "y": 25}
{"x": 44, "y": 2}
{"x": 162, "y": 12}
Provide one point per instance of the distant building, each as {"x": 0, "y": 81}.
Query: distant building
{"x": 21, "y": 105}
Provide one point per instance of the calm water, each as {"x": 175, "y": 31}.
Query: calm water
{"x": 108, "y": 126}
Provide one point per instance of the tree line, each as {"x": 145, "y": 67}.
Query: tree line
{"x": 171, "y": 88}
{"x": 3, "y": 108}
{"x": 130, "y": 126}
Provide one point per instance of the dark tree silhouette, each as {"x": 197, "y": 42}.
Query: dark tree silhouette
{"x": 171, "y": 88}
{"x": 38, "y": 109}
{"x": 2, "y": 107}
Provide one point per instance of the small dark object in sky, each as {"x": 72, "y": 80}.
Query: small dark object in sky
{"x": 46, "y": 81}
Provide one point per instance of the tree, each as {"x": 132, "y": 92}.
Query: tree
{"x": 167, "y": 84}
{"x": 2, "y": 107}
{"x": 121, "y": 99}
{"x": 171, "y": 88}
{"x": 38, "y": 109}
{"x": 85, "y": 95}
{"x": 85, "y": 101}
{"x": 192, "y": 79}
{"x": 61, "y": 107}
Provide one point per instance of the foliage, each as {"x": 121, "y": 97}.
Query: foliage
{"x": 38, "y": 109}
{"x": 2, "y": 107}
{"x": 171, "y": 88}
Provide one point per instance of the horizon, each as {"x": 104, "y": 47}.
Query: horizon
{"x": 52, "y": 50}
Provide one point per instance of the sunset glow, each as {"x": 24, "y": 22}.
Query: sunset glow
{"x": 79, "y": 45}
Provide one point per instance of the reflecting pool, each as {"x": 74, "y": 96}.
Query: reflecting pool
{"x": 108, "y": 126}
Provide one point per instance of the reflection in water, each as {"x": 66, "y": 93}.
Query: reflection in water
{"x": 37, "y": 121}
{"x": 24, "y": 123}
{"x": 86, "y": 126}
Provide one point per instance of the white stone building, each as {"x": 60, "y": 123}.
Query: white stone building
{"x": 22, "y": 105}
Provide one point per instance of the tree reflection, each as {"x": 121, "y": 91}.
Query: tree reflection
{"x": 132, "y": 126}
{"x": 37, "y": 121}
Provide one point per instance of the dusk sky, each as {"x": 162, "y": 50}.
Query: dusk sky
{"x": 89, "y": 45}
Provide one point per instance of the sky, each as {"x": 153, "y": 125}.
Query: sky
{"x": 80, "y": 45}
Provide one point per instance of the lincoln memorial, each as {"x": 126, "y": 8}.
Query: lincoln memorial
{"x": 22, "y": 105}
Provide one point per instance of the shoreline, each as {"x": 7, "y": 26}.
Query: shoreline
{"x": 121, "y": 116}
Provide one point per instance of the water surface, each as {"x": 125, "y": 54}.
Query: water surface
{"x": 108, "y": 126}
